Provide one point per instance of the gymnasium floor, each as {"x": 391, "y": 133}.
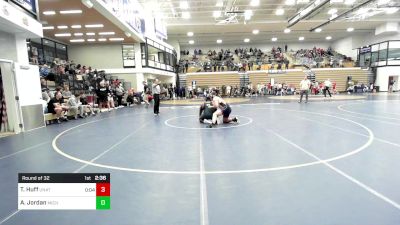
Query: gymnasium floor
{"x": 321, "y": 163}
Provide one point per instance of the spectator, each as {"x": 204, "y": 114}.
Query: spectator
{"x": 55, "y": 106}
{"x": 119, "y": 92}
{"x": 74, "y": 106}
{"x": 102, "y": 94}
{"x": 66, "y": 93}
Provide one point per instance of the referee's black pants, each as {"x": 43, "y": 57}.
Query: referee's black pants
{"x": 156, "y": 103}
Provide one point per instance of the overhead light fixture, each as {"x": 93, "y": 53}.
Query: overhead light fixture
{"x": 90, "y": 34}
{"x": 287, "y": 30}
{"x": 336, "y": 1}
{"x": 48, "y": 13}
{"x": 391, "y": 10}
{"x": 94, "y": 25}
{"x": 333, "y": 16}
{"x": 290, "y": 2}
{"x": 128, "y": 34}
{"x": 87, "y": 3}
{"x": 219, "y": 41}
{"x": 246, "y": 40}
{"x": 301, "y": 38}
{"x": 383, "y": 2}
{"x": 219, "y": 4}
{"x": 116, "y": 39}
{"x": 274, "y": 39}
{"x": 328, "y": 38}
{"x": 254, "y": 2}
{"x": 106, "y": 33}
{"x": 349, "y": 2}
{"x": 76, "y": 26}
{"x": 63, "y": 35}
{"x": 78, "y": 34}
{"x": 191, "y": 42}
{"x": 248, "y": 14}
{"x": 91, "y": 40}
{"x": 62, "y": 27}
{"x": 75, "y": 11}
{"x": 279, "y": 12}
{"x": 318, "y": 30}
{"x": 216, "y": 14}
{"x": 183, "y": 5}
{"x": 332, "y": 11}
{"x": 102, "y": 39}
{"x": 190, "y": 34}
{"x": 77, "y": 40}
{"x": 303, "y": 1}
{"x": 185, "y": 15}
{"x": 256, "y": 31}
{"x": 48, "y": 28}
{"x": 350, "y": 29}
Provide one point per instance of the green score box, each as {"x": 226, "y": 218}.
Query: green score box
{"x": 103, "y": 203}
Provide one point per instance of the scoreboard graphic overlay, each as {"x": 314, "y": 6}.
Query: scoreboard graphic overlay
{"x": 64, "y": 191}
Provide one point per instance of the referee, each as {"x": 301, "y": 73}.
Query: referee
{"x": 156, "y": 94}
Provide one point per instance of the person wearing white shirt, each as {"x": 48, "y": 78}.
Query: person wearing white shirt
{"x": 156, "y": 94}
{"x": 328, "y": 85}
{"x": 304, "y": 88}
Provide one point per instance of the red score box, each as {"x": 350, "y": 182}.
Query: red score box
{"x": 103, "y": 189}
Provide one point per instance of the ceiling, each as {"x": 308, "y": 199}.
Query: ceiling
{"x": 206, "y": 29}
{"x": 86, "y": 17}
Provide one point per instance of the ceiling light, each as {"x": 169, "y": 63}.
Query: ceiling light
{"x": 256, "y": 31}
{"x": 116, "y": 39}
{"x": 128, "y": 34}
{"x": 318, "y": 30}
{"x": 274, "y": 39}
{"x": 349, "y": 2}
{"x": 78, "y": 34}
{"x": 280, "y": 12}
{"x": 91, "y": 40}
{"x": 328, "y": 38}
{"x": 290, "y": 2}
{"x": 184, "y": 5}
{"x": 219, "y": 41}
{"x": 336, "y": 1}
{"x": 383, "y": 2}
{"x": 332, "y": 11}
{"x": 248, "y": 14}
{"x": 77, "y": 40}
{"x": 301, "y": 38}
{"x": 90, "y": 34}
{"x": 350, "y": 29}
{"x": 219, "y": 4}
{"x": 216, "y": 14}
{"x": 94, "y": 25}
{"x": 246, "y": 40}
{"x": 254, "y": 2}
{"x": 106, "y": 33}
{"x": 62, "y": 27}
{"x": 63, "y": 35}
{"x": 47, "y": 13}
{"x": 391, "y": 10}
{"x": 303, "y": 1}
{"x": 102, "y": 39}
{"x": 48, "y": 28}
{"x": 191, "y": 42}
{"x": 287, "y": 30}
{"x": 87, "y": 3}
{"x": 190, "y": 34}
{"x": 76, "y": 26}
{"x": 185, "y": 15}
{"x": 75, "y": 11}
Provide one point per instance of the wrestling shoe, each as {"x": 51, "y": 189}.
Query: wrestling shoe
{"x": 236, "y": 120}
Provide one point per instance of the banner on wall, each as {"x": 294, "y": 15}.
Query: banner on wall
{"x": 128, "y": 11}
{"x": 160, "y": 28}
{"x": 28, "y": 5}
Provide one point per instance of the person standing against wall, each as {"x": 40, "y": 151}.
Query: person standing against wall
{"x": 156, "y": 95}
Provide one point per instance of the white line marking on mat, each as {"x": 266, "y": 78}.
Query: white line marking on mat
{"x": 340, "y": 107}
{"x": 352, "y": 179}
{"x": 203, "y": 188}
{"x": 9, "y": 216}
{"x": 250, "y": 120}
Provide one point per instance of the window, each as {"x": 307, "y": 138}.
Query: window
{"x": 128, "y": 56}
